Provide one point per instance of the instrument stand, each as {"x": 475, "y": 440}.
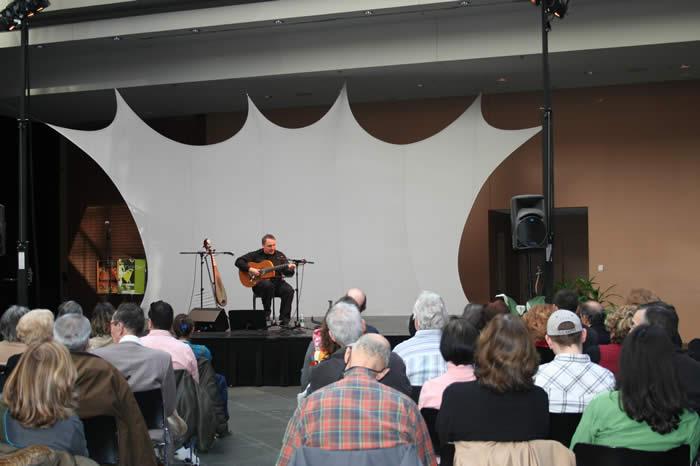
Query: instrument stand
{"x": 202, "y": 261}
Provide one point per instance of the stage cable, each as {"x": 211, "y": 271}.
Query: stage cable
{"x": 194, "y": 282}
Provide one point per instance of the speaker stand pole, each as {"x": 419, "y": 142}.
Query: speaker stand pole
{"x": 547, "y": 159}
{"x": 23, "y": 123}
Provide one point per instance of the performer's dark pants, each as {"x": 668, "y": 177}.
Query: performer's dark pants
{"x": 266, "y": 289}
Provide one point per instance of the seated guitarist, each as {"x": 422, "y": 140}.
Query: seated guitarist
{"x": 267, "y": 289}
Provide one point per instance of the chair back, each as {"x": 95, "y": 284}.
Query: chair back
{"x": 401, "y": 455}
{"x": 562, "y": 426}
{"x": 151, "y": 405}
{"x": 599, "y": 455}
{"x": 102, "y": 439}
{"x": 415, "y": 392}
{"x": 430, "y": 417}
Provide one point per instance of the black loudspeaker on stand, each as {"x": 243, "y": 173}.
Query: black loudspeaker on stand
{"x": 528, "y": 222}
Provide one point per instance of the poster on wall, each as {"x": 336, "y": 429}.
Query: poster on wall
{"x": 128, "y": 276}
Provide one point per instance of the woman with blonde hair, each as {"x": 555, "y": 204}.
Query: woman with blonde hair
{"x": 33, "y": 328}
{"x": 39, "y": 401}
{"x": 619, "y": 323}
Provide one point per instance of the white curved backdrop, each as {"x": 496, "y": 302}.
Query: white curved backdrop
{"x": 387, "y": 218}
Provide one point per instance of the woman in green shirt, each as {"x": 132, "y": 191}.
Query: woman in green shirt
{"x": 647, "y": 411}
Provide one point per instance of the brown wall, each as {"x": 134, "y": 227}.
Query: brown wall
{"x": 630, "y": 154}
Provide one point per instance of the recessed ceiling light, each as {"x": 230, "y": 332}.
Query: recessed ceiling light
{"x": 685, "y": 67}
{"x": 589, "y": 73}
{"x": 369, "y": 13}
{"x": 268, "y": 97}
{"x": 465, "y": 3}
{"x": 40, "y": 46}
{"x": 194, "y": 30}
{"x": 419, "y": 85}
{"x": 502, "y": 80}
{"x": 279, "y": 21}
{"x": 116, "y": 38}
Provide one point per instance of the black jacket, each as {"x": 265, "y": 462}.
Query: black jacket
{"x": 332, "y": 369}
{"x": 278, "y": 258}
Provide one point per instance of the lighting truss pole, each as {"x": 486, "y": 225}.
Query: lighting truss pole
{"x": 547, "y": 157}
{"x": 23, "y": 124}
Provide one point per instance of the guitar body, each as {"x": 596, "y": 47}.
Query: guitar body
{"x": 267, "y": 271}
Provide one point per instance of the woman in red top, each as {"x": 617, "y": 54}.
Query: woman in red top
{"x": 619, "y": 323}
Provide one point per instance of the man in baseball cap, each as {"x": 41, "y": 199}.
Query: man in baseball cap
{"x": 571, "y": 380}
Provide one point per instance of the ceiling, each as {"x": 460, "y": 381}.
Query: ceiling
{"x": 516, "y": 73}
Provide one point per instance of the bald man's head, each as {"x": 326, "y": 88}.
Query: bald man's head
{"x": 371, "y": 351}
{"x": 359, "y": 296}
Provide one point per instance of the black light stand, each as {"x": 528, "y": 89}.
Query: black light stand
{"x": 556, "y": 8}
{"x": 23, "y": 124}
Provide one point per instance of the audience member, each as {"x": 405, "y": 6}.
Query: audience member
{"x": 619, "y": 323}
{"x": 421, "y": 353}
{"x": 160, "y": 321}
{"x": 361, "y": 299}
{"x": 639, "y": 296}
{"x": 39, "y": 401}
{"x": 33, "y": 328}
{"x": 144, "y": 368}
{"x": 566, "y": 299}
{"x": 493, "y": 309}
{"x": 536, "y": 322}
{"x": 457, "y": 348}
{"x": 69, "y": 307}
{"x": 646, "y": 412}
{"x": 503, "y": 404}
{"x": 320, "y": 348}
{"x": 10, "y": 344}
{"x": 103, "y": 391}
{"x": 592, "y": 316}
{"x": 100, "y": 322}
{"x": 183, "y": 328}
{"x": 571, "y": 380}
{"x": 345, "y": 328}
{"x": 474, "y": 313}
{"x": 357, "y": 412}
{"x": 664, "y": 316}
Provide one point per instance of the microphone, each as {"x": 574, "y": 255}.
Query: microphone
{"x": 300, "y": 261}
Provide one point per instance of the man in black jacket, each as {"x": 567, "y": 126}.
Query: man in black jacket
{"x": 345, "y": 328}
{"x": 274, "y": 287}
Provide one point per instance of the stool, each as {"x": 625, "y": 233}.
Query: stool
{"x": 274, "y": 315}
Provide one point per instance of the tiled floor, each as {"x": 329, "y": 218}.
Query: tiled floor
{"x": 259, "y": 416}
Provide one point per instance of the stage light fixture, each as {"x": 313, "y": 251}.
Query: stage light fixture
{"x": 556, "y": 8}
{"x": 12, "y": 16}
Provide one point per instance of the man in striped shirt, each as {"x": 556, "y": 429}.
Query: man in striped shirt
{"x": 358, "y": 412}
{"x": 421, "y": 353}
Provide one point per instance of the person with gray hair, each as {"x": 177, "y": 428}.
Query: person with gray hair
{"x": 345, "y": 328}
{"x": 10, "y": 344}
{"x": 358, "y": 412}
{"x": 421, "y": 352}
{"x": 103, "y": 391}
{"x": 72, "y": 331}
{"x": 69, "y": 307}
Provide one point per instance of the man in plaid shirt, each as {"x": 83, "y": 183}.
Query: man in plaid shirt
{"x": 571, "y": 380}
{"x": 358, "y": 412}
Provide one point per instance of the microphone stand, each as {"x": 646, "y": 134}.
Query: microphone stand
{"x": 302, "y": 263}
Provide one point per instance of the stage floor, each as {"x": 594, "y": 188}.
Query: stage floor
{"x": 274, "y": 357}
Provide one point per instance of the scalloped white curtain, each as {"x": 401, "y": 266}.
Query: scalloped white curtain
{"x": 387, "y": 218}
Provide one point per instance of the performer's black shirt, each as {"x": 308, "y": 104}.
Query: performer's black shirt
{"x": 278, "y": 258}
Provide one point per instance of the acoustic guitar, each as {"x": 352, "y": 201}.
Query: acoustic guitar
{"x": 217, "y": 284}
{"x": 267, "y": 271}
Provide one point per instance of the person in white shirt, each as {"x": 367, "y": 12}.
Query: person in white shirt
{"x": 571, "y": 380}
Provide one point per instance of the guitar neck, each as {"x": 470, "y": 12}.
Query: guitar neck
{"x": 273, "y": 269}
